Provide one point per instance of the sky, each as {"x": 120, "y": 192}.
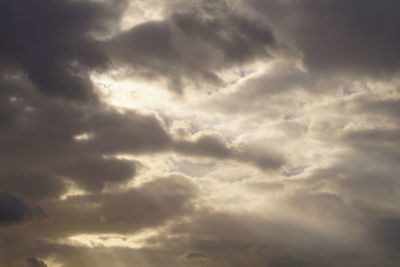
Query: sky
{"x": 199, "y": 133}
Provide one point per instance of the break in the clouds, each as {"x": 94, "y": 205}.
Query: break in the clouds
{"x": 199, "y": 133}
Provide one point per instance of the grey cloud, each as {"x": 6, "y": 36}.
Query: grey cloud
{"x": 346, "y": 37}
{"x": 239, "y": 38}
{"x": 379, "y": 143}
{"x": 362, "y": 177}
{"x": 127, "y": 133}
{"x": 262, "y": 157}
{"x": 50, "y": 41}
{"x": 214, "y": 146}
{"x": 151, "y": 204}
{"x": 28, "y": 117}
{"x": 328, "y": 205}
{"x": 193, "y": 256}
{"x": 265, "y": 187}
{"x": 32, "y": 184}
{"x": 94, "y": 173}
{"x": 40, "y": 135}
{"x": 205, "y": 145}
{"x": 192, "y": 44}
{"x": 33, "y": 262}
{"x": 388, "y": 107}
{"x": 386, "y": 231}
{"x": 391, "y": 135}
{"x": 366, "y": 170}
{"x": 242, "y": 240}
{"x": 365, "y": 180}
{"x": 98, "y": 256}
{"x": 342, "y": 212}
{"x": 14, "y": 210}
{"x": 275, "y": 93}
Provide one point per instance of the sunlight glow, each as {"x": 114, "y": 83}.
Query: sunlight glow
{"x": 138, "y": 12}
{"x": 135, "y": 241}
{"x": 126, "y": 93}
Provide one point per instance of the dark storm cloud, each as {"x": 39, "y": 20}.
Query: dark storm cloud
{"x": 346, "y": 37}
{"x": 192, "y": 43}
{"x": 14, "y": 210}
{"x": 50, "y": 42}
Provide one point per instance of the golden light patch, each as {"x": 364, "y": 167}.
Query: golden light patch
{"x": 135, "y": 241}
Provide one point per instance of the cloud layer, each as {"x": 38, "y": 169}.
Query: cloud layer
{"x": 221, "y": 133}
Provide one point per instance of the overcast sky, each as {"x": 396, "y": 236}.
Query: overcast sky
{"x": 199, "y": 133}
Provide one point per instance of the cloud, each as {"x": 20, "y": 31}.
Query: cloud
{"x": 50, "y": 42}
{"x": 32, "y": 184}
{"x": 40, "y": 134}
{"x": 194, "y": 258}
{"x": 33, "y": 262}
{"x": 343, "y": 37}
{"x": 93, "y": 173}
{"x": 13, "y": 210}
{"x": 205, "y": 145}
{"x": 289, "y": 142}
{"x": 212, "y": 145}
{"x": 251, "y": 239}
{"x": 128, "y": 211}
{"x": 191, "y": 44}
